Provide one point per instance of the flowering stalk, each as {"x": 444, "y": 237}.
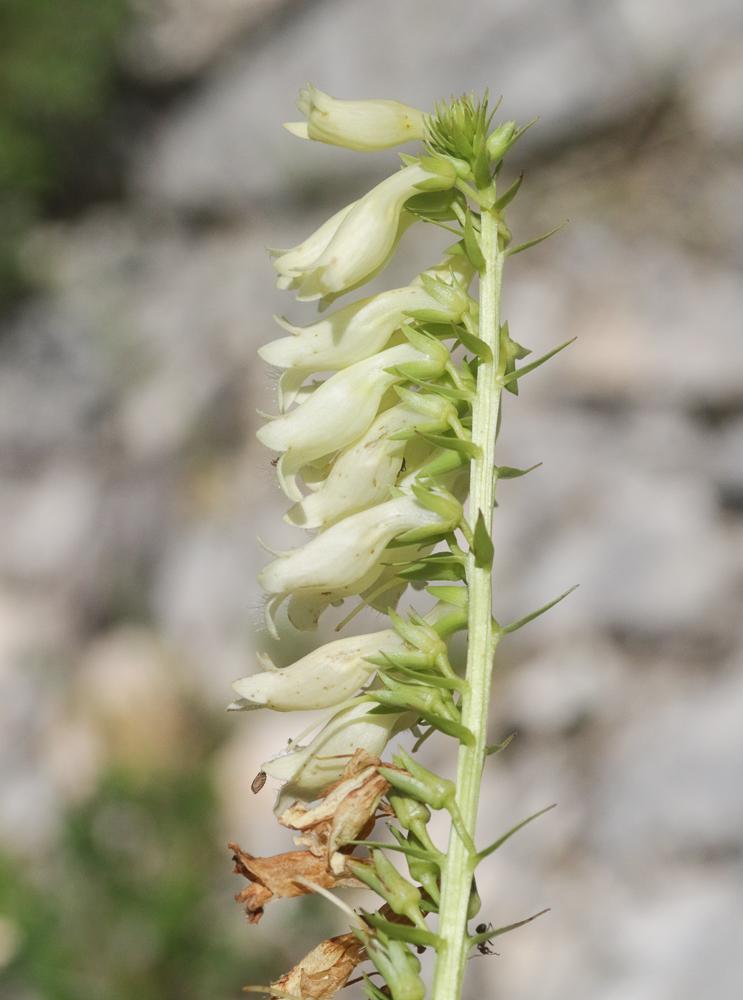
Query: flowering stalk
{"x": 378, "y": 459}
{"x": 458, "y": 869}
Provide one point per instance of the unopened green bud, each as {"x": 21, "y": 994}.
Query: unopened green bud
{"x": 419, "y": 782}
{"x": 500, "y": 140}
{"x": 367, "y": 874}
{"x": 414, "y": 816}
{"x": 399, "y": 966}
{"x": 428, "y": 874}
{"x": 403, "y": 897}
{"x": 409, "y": 812}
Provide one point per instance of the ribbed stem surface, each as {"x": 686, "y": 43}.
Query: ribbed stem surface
{"x": 460, "y": 863}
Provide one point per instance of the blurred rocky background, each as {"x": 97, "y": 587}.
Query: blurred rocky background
{"x": 143, "y": 172}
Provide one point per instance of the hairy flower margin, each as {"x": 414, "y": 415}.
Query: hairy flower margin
{"x": 388, "y": 461}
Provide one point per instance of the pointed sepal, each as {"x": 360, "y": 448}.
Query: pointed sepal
{"x": 475, "y": 344}
{"x": 482, "y": 544}
{"x": 515, "y": 626}
{"x": 494, "y": 932}
{"x": 487, "y": 851}
{"x": 472, "y": 243}
{"x": 518, "y": 373}
{"x": 512, "y": 251}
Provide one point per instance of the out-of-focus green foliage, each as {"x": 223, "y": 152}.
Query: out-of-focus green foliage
{"x": 133, "y": 903}
{"x": 57, "y": 65}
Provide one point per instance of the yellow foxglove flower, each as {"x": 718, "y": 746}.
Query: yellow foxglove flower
{"x": 288, "y": 262}
{"x": 381, "y": 589}
{"x": 359, "y": 330}
{"x": 308, "y": 771}
{"x": 362, "y": 475}
{"x": 342, "y": 408}
{"x": 341, "y": 558}
{"x": 361, "y": 125}
{"x": 360, "y": 245}
{"x": 323, "y": 678}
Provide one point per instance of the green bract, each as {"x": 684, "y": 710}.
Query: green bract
{"x": 389, "y": 410}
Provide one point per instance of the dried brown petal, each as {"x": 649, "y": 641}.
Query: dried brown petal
{"x": 324, "y": 970}
{"x": 275, "y": 877}
{"x": 345, "y": 813}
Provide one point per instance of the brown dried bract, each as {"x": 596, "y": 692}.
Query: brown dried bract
{"x": 345, "y": 813}
{"x": 324, "y": 970}
{"x": 275, "y": 877}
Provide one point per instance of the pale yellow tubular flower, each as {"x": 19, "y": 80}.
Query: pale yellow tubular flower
{"x": 340, "y": 557}
{"x": 308, "y": 771}
{"x": 323, "y": 678}
{"x": 358, "y": 330}
{"x": 379, "y": 589}
{"x": 288, "y": 262}
{"x": 362, "y": 125}
{"x": 339, "y": 411}
{"x": 362, "y": 475}
{"x": 366, "y": 236}
{"x": 305, "y": 609}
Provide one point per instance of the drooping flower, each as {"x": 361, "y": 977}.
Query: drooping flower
{"x": 362, "y": 475}
{"x": 286, "y": 262}
{"x": 342, "y": 408}
{"x": 361, "y": 329}
{"x": 323, "y": 678}
{"x": 365, "y": 238}
{"x": 341, "y": 559}
{"x": 309, "y": 771}
{"x": 361, "y": 125}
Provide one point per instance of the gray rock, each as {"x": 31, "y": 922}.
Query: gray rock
{"x": 175, "y": 39}
{"x": 670, "y": 773}
{"x": 224, "y": 148}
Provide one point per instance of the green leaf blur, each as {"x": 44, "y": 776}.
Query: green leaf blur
{"x": 57, "y": 70}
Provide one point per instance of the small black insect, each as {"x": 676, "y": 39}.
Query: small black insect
{"x": 483, "y": 947}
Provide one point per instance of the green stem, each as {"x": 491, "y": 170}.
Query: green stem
{"x": 460, "y": 859}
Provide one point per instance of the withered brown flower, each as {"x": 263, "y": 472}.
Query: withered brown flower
{"x": 324, "y": 970}
{"x": 275, "y": 877}
{"x": 345, "y": 813}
